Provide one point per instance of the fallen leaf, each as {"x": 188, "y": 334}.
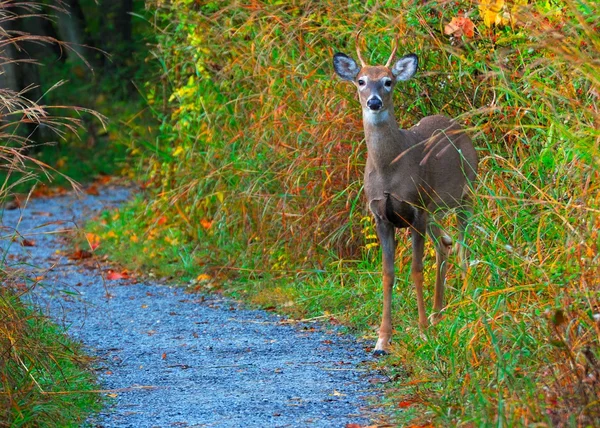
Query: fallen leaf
{"x": 92, "y": 190}
{"x": 338, "y": 393}
{"x": 164, "y": 356}
{"x": 80, "y": 254}
{"x": 113, "y": 395}
{"x": 459, "y": 26}
{"x": 405, "y": 404}
{"x": 203, "y": 277}
{"x": 113, "y": 275}
{"x": 27, "y": 243}
{"x": 205, "y": 223}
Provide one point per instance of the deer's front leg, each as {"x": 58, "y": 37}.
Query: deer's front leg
{"x": 385, "y": 232}
{"x": 418, "y": 246}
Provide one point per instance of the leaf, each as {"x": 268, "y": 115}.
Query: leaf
{"x": 80, "y": 254}
{"x": 93, "y": 240}
{"x": 205, "y": 223}
{"x": 460, "y": 26}
{"x": 92, "y": 190}
{"x": 27, "y": 243}
{"x": 405, "y": 404}
{"x": 489, "y": 11}
{"x": 112, "y": 275}
{"x": 203, "y": 277}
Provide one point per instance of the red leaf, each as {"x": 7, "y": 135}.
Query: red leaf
{"x": 112, "y": 275}
{"x": 405, "y": 404}
{"x": 27, "y": 243}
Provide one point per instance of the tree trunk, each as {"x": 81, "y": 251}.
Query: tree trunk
{"x": 71, "y": 27}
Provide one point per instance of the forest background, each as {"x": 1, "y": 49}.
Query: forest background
{"x": 250, "y": 155}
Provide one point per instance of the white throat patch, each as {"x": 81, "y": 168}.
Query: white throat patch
{"x": 375, "y": 117}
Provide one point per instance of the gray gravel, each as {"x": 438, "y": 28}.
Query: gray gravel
{"x": 179, "y": 359}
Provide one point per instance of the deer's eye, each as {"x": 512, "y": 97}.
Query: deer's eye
{"x": 388, "y": 83}
{"x": 361, "y": 82}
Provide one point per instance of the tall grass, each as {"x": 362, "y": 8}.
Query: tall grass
{"x": 256, "y": 176}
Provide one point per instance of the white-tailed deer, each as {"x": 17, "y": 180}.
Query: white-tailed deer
{"x": 412, "y": 177}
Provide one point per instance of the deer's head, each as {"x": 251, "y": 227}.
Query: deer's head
{"x": 375, "y": 83}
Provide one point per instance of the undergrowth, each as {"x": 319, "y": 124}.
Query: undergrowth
{"x": 253, "y": 187}
{"x": 43, "y": 376}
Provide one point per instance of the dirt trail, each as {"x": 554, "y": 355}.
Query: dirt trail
{"x": 177, "y": 359}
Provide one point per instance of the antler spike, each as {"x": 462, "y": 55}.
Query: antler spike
{"x": 362, "y": 61}
{"x": 395, "y": 48}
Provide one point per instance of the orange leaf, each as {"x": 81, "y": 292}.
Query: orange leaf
{"x": 93, "y": 240}
{"x": 27, "y": 243}
{"x": 92, "y": 190}
{"x": 459, "y": 26}
{"x": 205, "y": 223}
{"x": 162, "y": 220}
{"x": 112, "y": 275}
{"x": 80, "y": 255}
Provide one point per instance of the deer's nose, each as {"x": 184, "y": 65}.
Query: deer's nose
{"x": 374, "y": 103}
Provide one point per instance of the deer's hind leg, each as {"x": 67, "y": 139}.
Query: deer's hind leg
{"x": 418, "y": 233}
{"x": 463, "y": 216}
{"x": 443, "y": 245}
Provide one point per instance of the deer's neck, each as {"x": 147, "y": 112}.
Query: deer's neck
{"x": 385, "y": 140}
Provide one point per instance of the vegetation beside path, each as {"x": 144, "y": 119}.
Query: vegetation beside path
{"x": 253, "y": 187}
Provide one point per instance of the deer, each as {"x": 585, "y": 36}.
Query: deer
{"x": 412, "y": 179}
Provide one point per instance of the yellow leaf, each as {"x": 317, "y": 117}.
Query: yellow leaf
{"x": 489, "y": 11}
{"x": 178, "y": 151}
{"x": 203, "y": 277}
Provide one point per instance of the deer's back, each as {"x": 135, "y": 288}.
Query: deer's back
{"x": 448, "y": 161}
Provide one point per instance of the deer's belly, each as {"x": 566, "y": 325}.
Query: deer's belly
{"x": 399, "y": 213}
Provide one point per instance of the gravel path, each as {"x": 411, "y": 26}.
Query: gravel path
{"x": 178, "y": 359}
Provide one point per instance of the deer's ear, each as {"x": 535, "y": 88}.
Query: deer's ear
{"x": 405, "y": 67}
{"x": 345, "y": 67}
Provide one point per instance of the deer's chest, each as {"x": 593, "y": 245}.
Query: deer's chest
{"x": 390, "y": 201}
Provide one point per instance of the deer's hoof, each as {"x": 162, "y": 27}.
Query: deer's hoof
{"x": 381, "y": 347}
{"x": 379, "y": 353}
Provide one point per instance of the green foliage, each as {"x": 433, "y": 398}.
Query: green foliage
{"x": 43, "y": 381}
{"x": 256, "y": 174}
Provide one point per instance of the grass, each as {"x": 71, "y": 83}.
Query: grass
{"x": 253, "y": 187}
{"x": 44, "y": 376}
